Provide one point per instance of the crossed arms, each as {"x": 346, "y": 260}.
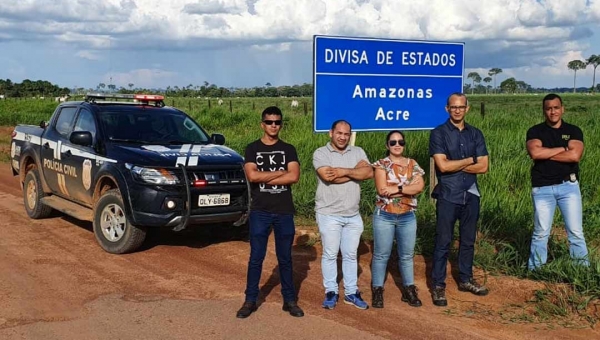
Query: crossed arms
{"x": 537, "y": 152}
{"x": 279, "y": 177}
{"x": 415, "y": 186}
{"x": 333, "y": 175}
{"x": 466, "y": 164}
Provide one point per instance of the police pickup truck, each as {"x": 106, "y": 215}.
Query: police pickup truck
{"x": 128, "y": 163}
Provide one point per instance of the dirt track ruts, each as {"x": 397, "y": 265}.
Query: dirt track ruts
{"x": 57, "y": 283}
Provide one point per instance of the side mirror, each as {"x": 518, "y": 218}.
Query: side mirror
{"x": 43, "y": 124}
{"x": 217, "y": 138}
{"x": 83, "y": 138}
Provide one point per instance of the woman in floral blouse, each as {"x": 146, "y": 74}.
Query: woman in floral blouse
{"x": 398, "y": 180}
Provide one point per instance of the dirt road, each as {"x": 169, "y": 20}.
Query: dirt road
{"x": 56, "y": 283}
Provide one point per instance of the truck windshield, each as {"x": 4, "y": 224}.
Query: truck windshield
{"x": 151, "y": 128}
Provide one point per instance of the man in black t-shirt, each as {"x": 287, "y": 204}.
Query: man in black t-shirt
{"x": 556, "y": 148}
{"x": 271, "y": 167}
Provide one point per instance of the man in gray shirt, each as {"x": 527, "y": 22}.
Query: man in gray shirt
{"x": 340, "y": 168}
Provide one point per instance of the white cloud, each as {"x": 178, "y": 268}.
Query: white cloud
{"x": 86, "y": 54}
{"x": 512, "y": 34}
{"x": 216, "y": 7}
{"x": 144, "y": 78}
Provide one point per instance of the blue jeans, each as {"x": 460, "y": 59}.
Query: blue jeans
{"x": 568, "y": 197}
{"x": 385, "y": 226}
{"x": 260, "y": 229}
{"x": 340, "y": 232}
{"x": 447, "y": 214}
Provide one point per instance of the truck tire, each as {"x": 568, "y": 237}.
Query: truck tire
{"x": 112, "y": 229}
{"x": 32, "y": 195}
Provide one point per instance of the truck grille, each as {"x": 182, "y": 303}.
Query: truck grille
{"x": 217, "y": 175}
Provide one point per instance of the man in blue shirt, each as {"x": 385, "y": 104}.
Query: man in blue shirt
{"x": 459, "y": 152}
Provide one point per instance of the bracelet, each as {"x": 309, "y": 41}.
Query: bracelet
{"x": 400, "y": 189}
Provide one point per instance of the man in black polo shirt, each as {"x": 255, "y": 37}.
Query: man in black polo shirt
{"x": 556, "y": 148}
{"x": 459, "y": 152}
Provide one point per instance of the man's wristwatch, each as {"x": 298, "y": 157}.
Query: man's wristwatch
{"x": 474, "y": 159}
{"x": 399, "y": 189}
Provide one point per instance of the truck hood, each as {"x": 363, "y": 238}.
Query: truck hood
{"x": 171, "y": 155}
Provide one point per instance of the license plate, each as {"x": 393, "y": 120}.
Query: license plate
{"x": 213, "y": 200}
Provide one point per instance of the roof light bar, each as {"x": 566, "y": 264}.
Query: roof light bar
{"x": 149, "y": 97}
{"x": 142, "y": 97}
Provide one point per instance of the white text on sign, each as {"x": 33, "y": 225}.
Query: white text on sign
{"x": 348, "y": 56}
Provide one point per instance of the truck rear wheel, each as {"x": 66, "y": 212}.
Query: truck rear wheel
{"x": 32, "y": 195}
{"x": 112, "y": 229}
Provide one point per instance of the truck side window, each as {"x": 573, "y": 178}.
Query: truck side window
{"x": 65, "y": 121}
{"x": 85, "y": 122}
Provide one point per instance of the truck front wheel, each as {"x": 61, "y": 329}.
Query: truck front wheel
{"x": 32, "y": 195}
{"x": 112, "y": 229}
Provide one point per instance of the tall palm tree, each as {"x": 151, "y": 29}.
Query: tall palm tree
{"x": 487, "y": 80}
{"x": 493, "y": 72}
{"x": 593, "y": 60}
{"x": 576, "y": 65}
{"x": 475, "y": 78}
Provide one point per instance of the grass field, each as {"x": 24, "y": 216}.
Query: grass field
{"x": 506, "y": 214}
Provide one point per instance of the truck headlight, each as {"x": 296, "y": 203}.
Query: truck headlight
{"x": 153, "y": 176}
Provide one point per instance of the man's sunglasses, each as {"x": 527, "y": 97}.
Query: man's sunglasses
{"x": 271, "y": 122}
{"x": 400, "y": 142}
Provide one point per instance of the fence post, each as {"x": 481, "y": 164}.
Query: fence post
{"x": 482, "y": 109}
{"x": 230, "y": 107}
{"x": 190, "y": 105}
{"x": 253, "y": 106}
{"x": 209, "y": 103}
{"x": 305, "y": 108}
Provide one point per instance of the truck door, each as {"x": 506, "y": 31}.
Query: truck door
{"x": 80, "y": 160}
{"x": 52, "y": 140}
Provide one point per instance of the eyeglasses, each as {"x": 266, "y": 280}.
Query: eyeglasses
{"x": 457, "y": 108}
{"x": 400, "y": 142}
{"x": 271, "y": 122}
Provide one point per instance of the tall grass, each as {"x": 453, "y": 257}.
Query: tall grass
{"x": 506, "y": 208}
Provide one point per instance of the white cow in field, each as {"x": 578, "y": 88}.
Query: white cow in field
{"x": 61, "y": 99}
{"x": 294, "y": 103}
{"x": 220, "y": 101}
{"x": 2, "y": 96}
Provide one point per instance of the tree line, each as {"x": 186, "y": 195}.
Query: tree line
{"x": 209, "y": 90}
{"x": 28, "y": 88}
{"x": 509, "y": 85}
{"x": 576, "y": 65}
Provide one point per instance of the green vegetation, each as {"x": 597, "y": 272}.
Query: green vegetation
{"x": 506, "y": 215}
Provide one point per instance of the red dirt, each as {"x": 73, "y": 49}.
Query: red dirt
{"x": 56, "y": 283}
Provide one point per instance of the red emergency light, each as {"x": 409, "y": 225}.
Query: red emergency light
{"x": 200, "y": 183}
{"x": 148, "y": 97}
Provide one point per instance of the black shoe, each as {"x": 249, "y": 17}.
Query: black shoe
{"x": 247, "y": 308}
{"x": 409, "y": 294}
{"x": 439, "y": 296}
{"x": 473, "y": 287}
{"x": 292, "y": 308}
{"x": 377, "y": 301}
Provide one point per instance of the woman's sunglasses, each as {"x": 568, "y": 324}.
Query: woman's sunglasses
{"x": 400, "y": 142}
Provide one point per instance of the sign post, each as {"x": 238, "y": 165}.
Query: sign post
{"x": 384, "y": 84}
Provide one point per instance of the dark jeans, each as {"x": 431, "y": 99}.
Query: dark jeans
{"x": 447, "y": 214}
{"x": 260, "y": 229}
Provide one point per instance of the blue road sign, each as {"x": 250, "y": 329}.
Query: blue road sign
{"x": 384, "y": 84}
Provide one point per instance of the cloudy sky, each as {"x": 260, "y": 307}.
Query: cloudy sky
{"x": 244, "y": 43}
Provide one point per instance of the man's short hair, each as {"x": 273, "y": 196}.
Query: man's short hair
{"x": 458, "y": 94}
{"x": 551, "y": 96}
{"x": 271, "y": 110}
{"x": 340, "y": 121}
